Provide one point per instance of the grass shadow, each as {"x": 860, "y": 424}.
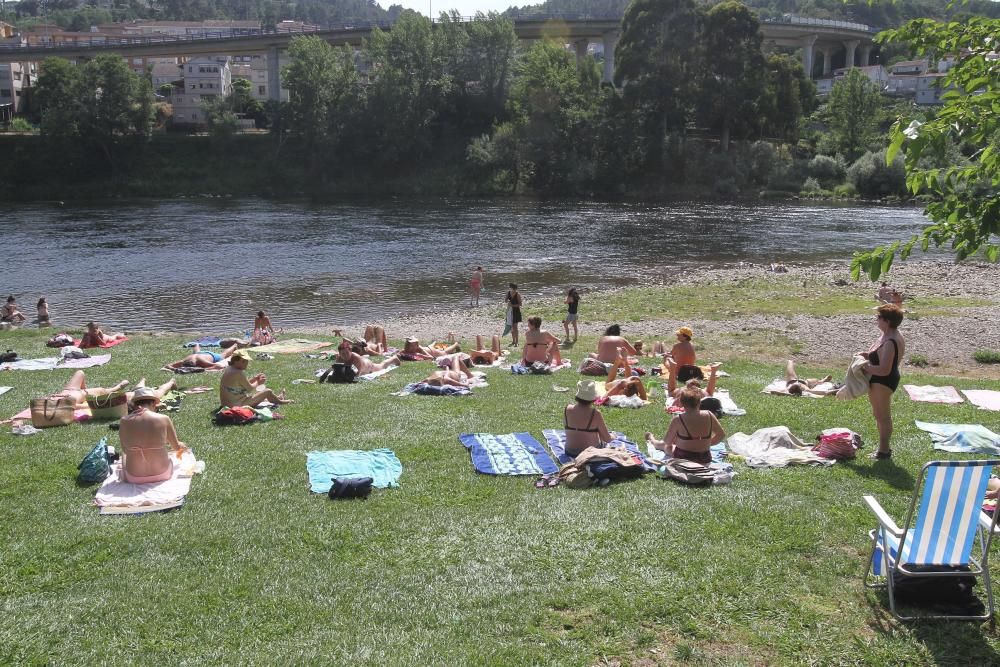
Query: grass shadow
{"x": 885, "y": 470}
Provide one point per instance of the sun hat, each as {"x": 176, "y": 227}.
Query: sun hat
{"x": 586, "y": 390}
{"x": 412, "y": 339}
{"x": 686, "y": 331}
{"x": 240, "y": 354}
{"x": 144, "y": 394}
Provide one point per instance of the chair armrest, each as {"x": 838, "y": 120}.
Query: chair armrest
{"x": 884, "y": 519}
{"x": 986, "y": 522}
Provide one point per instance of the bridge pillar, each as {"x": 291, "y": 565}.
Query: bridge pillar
{"x": 827, "y": 59}
{"x": 273, "y": 75}
{"x": 610, "y": 42}
{"x": 580, "y": 46}
{"x": 807, "y": 53}
{"x": 866, "y": 55}
{"x": 851, "y": 46}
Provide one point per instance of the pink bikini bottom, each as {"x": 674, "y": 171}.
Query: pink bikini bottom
{"x": 147, "y": 479}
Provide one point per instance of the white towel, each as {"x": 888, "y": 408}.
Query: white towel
{"x": 117, "y": 496}
{"x": 773, "y": 447}
{"x": 857, "y": 383}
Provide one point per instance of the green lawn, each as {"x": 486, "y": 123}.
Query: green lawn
{"x": 452, "y": 567}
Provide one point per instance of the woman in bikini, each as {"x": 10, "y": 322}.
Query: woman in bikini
{"x": 43, "y": 313}
{"x": 627, "y": 385}
{"x": 692, "y": 433}
{"x": 413, "y": 350}
{"x": 96, "y": 338}
{"x": 584, "y": 424}
{"x": 796, "y": 385}
{"x": 457, "y": 375}
{"x": 364, "y": 366}
{"x": 77, "y": 390}
{"x": 475, "y": 286}
{"x": 883, "y": 371}
{"x": 263, "y": 332}
{"x": 145, "y": 438}
{"x": 540, "y": 345}
{"x": 10, "y": 312}
{"x": 375, "y": 341}
{"x": 612, "y": 345}
{"x": 483, "y": 357}
{"x": 210, "y": 361}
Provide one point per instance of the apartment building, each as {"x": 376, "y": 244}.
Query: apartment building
{"x": 204, "y": 78}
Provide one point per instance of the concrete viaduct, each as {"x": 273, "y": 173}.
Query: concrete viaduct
{"x": 813, "y": 36}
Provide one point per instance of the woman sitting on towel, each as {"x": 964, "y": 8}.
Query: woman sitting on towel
{"x": 540, "y": 345}
{"x": 364, "y": 366}
{"x": 691, "y": 434}
{"x": 483, "y": 357}
{"x": 145, "y": 439}
{"x": 795, "y": 385}
{"x": 457, "y": 375}
{"x": 263, "y": 332}
{"x": 96, "y": 338}
{"x": 584, "y": 424}
{"x": 608, "y": 346}
{"x": 210, "y": 361}
{"x": 883, "y": 370}
{"x": 626, "y": 386}
{"x": 236, "y": 389}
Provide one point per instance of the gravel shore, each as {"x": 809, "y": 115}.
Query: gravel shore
{"x": 946, "y": 342}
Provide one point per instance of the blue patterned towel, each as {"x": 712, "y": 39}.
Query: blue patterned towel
{"x": 205, "y": 341}
{"x": 379, "y": 464}
{"x": 556, "y": 440}
{"x": 509, "y": 454}
{"x": 432, "y": 390}
{"x": 964, "y": 438}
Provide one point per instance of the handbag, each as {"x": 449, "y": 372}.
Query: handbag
{"x": 108, "y": 406}
{"x": 350, "y": 487}
{"x": 95, "y": 466}
{"x": 339, "y": 373}
{"x": 51, "y": 411}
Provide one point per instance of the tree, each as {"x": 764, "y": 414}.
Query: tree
{"x": 733, "y": 71}
{"x": 113, "y": 102}
{"x": 55, "y": 94}
{"x": 965, "y": 199}
{"x": 851, "y": 113}
{"x": 492, "y": 42}
{"x": 788, "y": 96}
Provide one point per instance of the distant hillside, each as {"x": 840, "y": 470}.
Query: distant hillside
{"x": 882, "y": 14}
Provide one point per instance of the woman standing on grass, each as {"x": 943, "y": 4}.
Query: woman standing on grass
{"x": 883, "y": 371}
{"x": 514, "y": 303}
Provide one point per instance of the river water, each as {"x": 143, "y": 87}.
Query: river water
{"x": 209, "y": 265}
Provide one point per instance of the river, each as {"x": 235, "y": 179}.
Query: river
{"x": 208, "y": 265}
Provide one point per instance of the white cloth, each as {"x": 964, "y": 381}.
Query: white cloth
{"x": 115, "y": 492}
{"x": 4, "y": 390}
{"x": 773, "y": 447}
{"x": 619, "y": 401}
{"x": 43, "y": 364}
{"x": 856, "y": 383}
{"x": 729, "y": 406}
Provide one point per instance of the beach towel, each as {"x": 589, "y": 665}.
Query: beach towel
{"x": 79, "y": 415}
{"x": 856, "y": 383}
{"x": 931, "y": 394}
{"x": 116, "y": 496}
{"x": 107, "y": 344}
{"x": 521, "y": 369}
{"x": 987, "y": 399}
{"x": 509, "y": 454}
{"x": 89, "y": 362}
{"x": 963, "y": 438}
{"x": 430, "y": 390}
{"x": 620, "y": 401}
{"x": 377, "y": 374}
{"x": 718, "y": 455}
{"x": 295, "y": 346}
{"x": 205, "y": 341}
{"x": 774, "y": 447}
{"x": 555, "y": 438}
{"x": 779, "y": 387}
{"x": 43, "y": 364}
{"x": 4, "y": 390}
{"x": 381, "y": 465}
{"x": 729, "y": 406}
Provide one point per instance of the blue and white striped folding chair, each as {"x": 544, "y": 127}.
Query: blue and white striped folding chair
{"x": 941, "y": 534}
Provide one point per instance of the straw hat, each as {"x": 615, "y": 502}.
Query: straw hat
{"x": 586, "y": 390}
{"x": 240, "y": 354}
{"x": 685, "y": 331}
{"x": 144, "y": 394}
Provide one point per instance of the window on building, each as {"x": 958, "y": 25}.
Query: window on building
{"x": 190, "y": 69}
{"x": 262, "y": 90}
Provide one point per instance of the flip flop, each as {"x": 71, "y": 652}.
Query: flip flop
{"x": 553, "y": 481}
{"x": 541, "y": 482}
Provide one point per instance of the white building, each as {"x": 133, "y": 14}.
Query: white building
{"x": 205, "y": 78}
{"x": 254, "y": 69}
{"x": 929, "y": 88}
{"x": 876, "y": 73}
{"x": 14, "y": 79}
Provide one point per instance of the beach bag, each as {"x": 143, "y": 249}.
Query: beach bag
{"x": 594, "y": 367}
{"x": 351, "y": 487}
{"x": 575, "y": 476}
{"x": 9, "y": 355}
{"x": 687, "y": 472}
{"x": 540, "y": 368}
{"x": 236, "y": 416}
{"x": 51, "y": 411}
{"x": 109, "y": 406}
{"x": 72, "y": 352}
{"x": 339, "y": 373}
{"x": 95, "y": 466}
{"x": 688, "y": 372}
{"x": 954, "y": 595}
{"x": 712, "y": 404}
{"x": 60, "y": 340}
{"x": 613, "y": 470}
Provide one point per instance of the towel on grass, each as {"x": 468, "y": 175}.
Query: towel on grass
{"x": 43, "y": 364}
{"x": 718, "y": 456}
{"x": 4, "y": 390}
{"x": 96, "y": 360}
{"x": 521, "y": 369}
{"x": 931, "y": 394}
{"x": 509, "y": 454}
{"x": 381, "y": 465}
{"x": 79, "y": 415}
{"x": 779, "y": 387}
{"x": 107, "y": 344}
{"x": 377, "y": 374}
{"x": 555, "y": 438}
{"x": 205, "y": 341}
{"x": 729, "y": 406}
{"x": 431, "y": 390}
{"x": 294, "y": 346}
{"x": 987, "y": 399}
{"x": 116, "y": 496}
{"x": 963, "y": 438}
{"x": 773, "y": 447}
{"x": 620, "y": 401}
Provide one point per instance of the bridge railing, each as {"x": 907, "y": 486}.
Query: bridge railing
{"x": 824, "y": 23}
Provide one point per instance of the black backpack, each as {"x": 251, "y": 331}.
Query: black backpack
{"x": 9, "y": 355}
{"x": 954, "y": 595}
{"x": 339, "y": 373}
{"x": 351, "y": 487}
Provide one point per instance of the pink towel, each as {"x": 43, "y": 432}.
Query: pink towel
{"x": 110, "y": 343}
{"x": 931, "y": 394}
{"x": 987, "y": 399}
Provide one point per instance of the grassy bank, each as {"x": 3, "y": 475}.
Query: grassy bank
{"x": 453, "y": 567}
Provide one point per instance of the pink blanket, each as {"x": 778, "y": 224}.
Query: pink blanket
{"x": 110, "y": 343}
{"x": 117, "y": 496}
{"x": 931, "y": 394}
{"x": 987, "y": 399}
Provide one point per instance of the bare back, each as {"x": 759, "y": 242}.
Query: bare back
{"x": 145, "y": 437}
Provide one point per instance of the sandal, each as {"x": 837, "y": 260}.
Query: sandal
{"x": 554, "y": 481}
{"x": 880, "y": 456}
{"x": 541, "y": 482}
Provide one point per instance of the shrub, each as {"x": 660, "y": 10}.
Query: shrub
{"x": 21, "y": 125}
{"x": 811, "y": 186}
{"x": 987, "y": 356}
{"x": 786, "y": 178}
{"x": 762, "y": 157}
{"x": 875, "y": 179}
{"x": 827, "y": 170}
{"x": 919, "y": 360}
{"x": 845, "y": 190}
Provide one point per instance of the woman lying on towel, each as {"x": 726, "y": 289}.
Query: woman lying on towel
{"x": 457, "y": 376}
{"x": 364, "y": 366}
{"x": 414, "y": 351}
{"x": 609, "y": 345}
{"x": 96, "y": 338}
{"x": 626, "y": 386}
{"x": 540, "y": 345}
{"x": 375, "y": 341}
{"x": 483, "y": 357}
{"x": 691, "y": 434}
{"x": 210, "y": 361}
{"x": 584, "y": 424}
{"x": 145, "y": 439}
{"x": 678, "y": 374}
{"x": 796, "y": 385}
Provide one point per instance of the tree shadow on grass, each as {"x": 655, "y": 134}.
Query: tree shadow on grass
{"x": 885, "y": 470}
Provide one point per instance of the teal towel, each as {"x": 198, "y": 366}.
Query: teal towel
{"x": 379, "y": 464}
